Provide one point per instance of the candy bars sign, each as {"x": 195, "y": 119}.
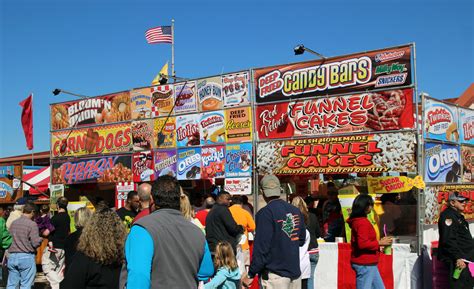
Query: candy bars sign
{"x": 357, "y": 72}
{"x": 378, "y": 111}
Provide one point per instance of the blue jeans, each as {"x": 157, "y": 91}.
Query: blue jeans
{"x": 22, "y": 270}
{"x": 368, "y": 277}
{"x": 313, "y": 259}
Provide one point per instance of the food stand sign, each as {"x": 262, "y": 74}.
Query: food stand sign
{"x": 441, "y": 121}
{"x": 466, "y": 126}
{"x": 442, "y": 163}
{"x": 162, "y": 101}
{"x": 238, "y": 160}
{"x": 397, "y": 184}
{"x": 357, "y": 72}
{"x": 185, "y": 95}
{"x": 210, "y": 93}
{"x": 164, "y": 134}
{"x": 238, "y": 124}
{"x": 105, "y": 169}
{"x": 188, "y": 130}
{"x": 387, "y": 152}
{"x": 189, "y": 164}
{"x": 436, "y": 199}
{"x": 377, "y": 111}
{"x": 143, "y": 166}
{"x": 142, "y": 134}
{"x": 91, "y": 111}
{"x": 213, "y": 162}
{"x": 165, "y": 162}
{"x": 106, "y": 139}
{"x": 467, "y": 159}
{"x": 235, "y": 89}
{"x": 6, "y": 170}
{"x": 238, "y": 186}
{"x": 212, "y": 128}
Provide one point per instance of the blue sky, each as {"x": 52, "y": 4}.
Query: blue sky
{"x": 98, "y": 47}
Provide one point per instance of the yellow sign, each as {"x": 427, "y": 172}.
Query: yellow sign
{"x": 383, "y": 185}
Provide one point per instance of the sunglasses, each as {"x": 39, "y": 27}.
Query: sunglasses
{"x": 462, "y": 202}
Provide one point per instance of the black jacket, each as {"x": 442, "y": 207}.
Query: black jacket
{"x": 220, "y": 226}
{"x": 455, "y": 240}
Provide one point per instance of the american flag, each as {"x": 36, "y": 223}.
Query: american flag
{"x": 160, "y": 34}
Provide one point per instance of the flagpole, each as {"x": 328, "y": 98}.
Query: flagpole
{"x": 33, "y": 128}
{"x": 173, "y": 73}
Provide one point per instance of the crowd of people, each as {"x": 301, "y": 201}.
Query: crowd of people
{"x": 159, "y": 240}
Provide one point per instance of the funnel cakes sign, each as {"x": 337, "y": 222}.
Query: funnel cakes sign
{"x": 98, "y": 110}
{"x": 356, "y": 72}
{"x": 378, "y": 111}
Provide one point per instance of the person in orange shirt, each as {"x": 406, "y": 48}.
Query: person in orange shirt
{"x": 244, "y": 218}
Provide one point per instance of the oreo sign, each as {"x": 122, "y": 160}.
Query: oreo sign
{"x": 442, "y": 163}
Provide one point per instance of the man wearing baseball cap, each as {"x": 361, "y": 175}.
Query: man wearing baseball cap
{"x": 455, "y": 242}
{"x": 280, "y": 232}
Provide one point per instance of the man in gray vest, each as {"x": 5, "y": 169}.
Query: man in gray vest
{"x": 163, "y": 249}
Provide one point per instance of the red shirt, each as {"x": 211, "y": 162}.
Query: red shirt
{"x": 365, "y": 247}
{"x": 143, "y": 213}
{"x": 201, "y": 216}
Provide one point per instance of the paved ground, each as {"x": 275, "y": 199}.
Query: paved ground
{"x": 41, "y": 282}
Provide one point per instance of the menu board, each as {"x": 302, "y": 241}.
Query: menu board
{"x": 188, "y": 130}
{"x": 189, "y": 164}
{"x": 467, "y": 159}
{"x": 164, "y": 133}
{"x": 94, "y": 140}
{"x": 238, "y": 186}
{"x": 165, "y": 162}
{"x": 212, "y": 126}
{"x": 143, "y": 167}
{"x": 140, "y": 103}
{"x": 466, "y": 126}
{"x": 185, "y": 97}
{"x": 375, "y": 111}
{"x": 213, "y": 162}
{"x": 235, "y": 89}
{"x": 210, "y": 93}
{"x": 162, "y": 100}
{"x": 91, "y": 111}
{"x": 442, "y": 163}
{"x": 238, "y": 160}
{"x": 142, "y": 134}
{"x": 387, "y": 152}
{"x": 238, "y": 124}
{"x": 105, "y": 169}
{"x": 441, "y": 121}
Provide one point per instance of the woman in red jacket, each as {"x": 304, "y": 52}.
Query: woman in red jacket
{"x": 365, "y": 247}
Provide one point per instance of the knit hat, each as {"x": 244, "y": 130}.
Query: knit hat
{"x": 270, "y": 185}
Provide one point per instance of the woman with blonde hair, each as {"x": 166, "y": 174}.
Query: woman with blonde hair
{"x": 188, "y": 212}
{"x": 81, "y": 217}
{"x": 308, "y": 253}
{"x": 100, "y": 253}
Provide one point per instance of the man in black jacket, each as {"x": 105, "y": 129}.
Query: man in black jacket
{"x": 455, "y": 242}
{"x": 220, "y": 226}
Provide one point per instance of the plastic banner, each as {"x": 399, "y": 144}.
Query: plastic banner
{"x": 388, "y": 152}
{"x": 356, "y": 72}
{"x": 213, "y": 162}
{"x": 212, "y": 127}
{"x": 143, "y": 166}
{"x": 210, "y": 93}
{"x": 467, "y": 159}
{"x": 235, "y": 89}
{"x": 185, "y": 97}
{"x": 91, "y": 111}
{"x": 238, "y": 124}
{"x": 441, "y": 121}
{"x": 164, "y": 135}
{"x": 238, "y": 160}
{"x": 377, "y": 111}
{"x": 466, "y": 125}
{"x": 238, "y": 186}
{"x": 189, "y": 164}
{"x": 106, "y": 169}
{"x": 140, "y": 103}
{"x": 442, "y": 163}
{"x": 105, "y": 139}
{"x": 436, "y": 200}
{"x": 383, "y": 185}
{"x": 165, "y": 162}
{"x": 142, "y": 134}
{"x": 188, "y": 130}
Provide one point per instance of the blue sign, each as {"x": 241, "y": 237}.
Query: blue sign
{"x": 4, "y": 189}
{"x": 6, "y": 170}
{"x": 238, "y": 160}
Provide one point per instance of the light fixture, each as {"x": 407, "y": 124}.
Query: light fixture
{"x": 58, "y": 91}
{"x": 300, "y": 49}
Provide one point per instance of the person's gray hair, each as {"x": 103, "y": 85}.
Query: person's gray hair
{"x": 81, "y": 217}
{"x": 18, "y": 207}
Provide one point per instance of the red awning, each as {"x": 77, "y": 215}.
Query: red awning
{"x": 39, "y": 178}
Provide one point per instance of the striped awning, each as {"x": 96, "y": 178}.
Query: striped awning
{"x": 39, "y": 178}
